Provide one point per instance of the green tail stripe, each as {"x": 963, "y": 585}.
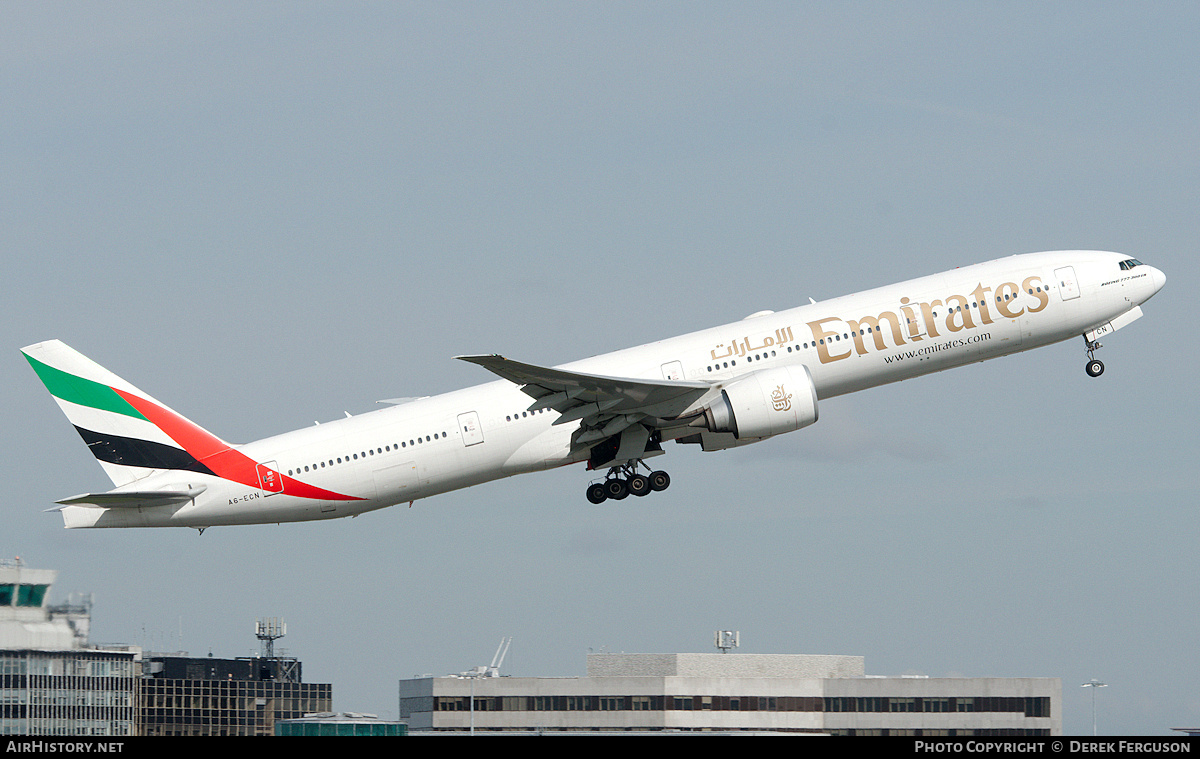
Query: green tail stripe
{"x": 82, "y": 391}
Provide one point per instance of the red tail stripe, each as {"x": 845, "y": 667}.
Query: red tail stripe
{"x": 225, "y": 462}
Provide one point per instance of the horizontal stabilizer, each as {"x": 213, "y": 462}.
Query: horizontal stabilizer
{"x": 133, "y": 499}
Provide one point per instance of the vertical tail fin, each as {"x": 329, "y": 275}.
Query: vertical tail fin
{"x": 131, "y": 434}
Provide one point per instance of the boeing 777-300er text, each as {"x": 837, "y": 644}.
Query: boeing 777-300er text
{"x": 718, "y": 388}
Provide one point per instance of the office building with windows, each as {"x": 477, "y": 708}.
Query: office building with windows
{"x": 183, "y": 695}
{"x": 735, "y": 692}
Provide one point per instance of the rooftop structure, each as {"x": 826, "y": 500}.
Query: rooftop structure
{"x": 27, "y": 621}
{"x": 327, "y": 723}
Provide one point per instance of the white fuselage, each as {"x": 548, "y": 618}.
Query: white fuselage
{"x": 451, "y": 441}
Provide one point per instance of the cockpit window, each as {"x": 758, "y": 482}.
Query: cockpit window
{"x": 1129, "y": 263}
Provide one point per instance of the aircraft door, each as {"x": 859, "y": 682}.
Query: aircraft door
{"x": 469, "y": 428}
{"x": 914, "y": 321}
{"x": 672, "y": 371}
{"x": 1068, "y": 286}
{"x": 269, "y": 479}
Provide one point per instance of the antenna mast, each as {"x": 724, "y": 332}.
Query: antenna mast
{"x": 268, "y": 631}
{"x": 726, "y": 640}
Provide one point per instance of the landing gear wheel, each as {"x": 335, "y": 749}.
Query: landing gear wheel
{"x": 624, "y": 479}
{"x": 639, "y": 484}
{"x": 616, "y": 489}
{"x": 659, "y": 480}
{"x": 1094, "y": 366}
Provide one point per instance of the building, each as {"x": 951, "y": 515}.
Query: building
{"x": 52, "y": 682}
{"x": 340, "y": 725}
{"x": 735, "y": 692}
{"x": 183, "y": 695}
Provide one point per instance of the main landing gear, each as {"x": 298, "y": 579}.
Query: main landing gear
{"x": 624, "y": 480}
{"x": 1094, "y": 366}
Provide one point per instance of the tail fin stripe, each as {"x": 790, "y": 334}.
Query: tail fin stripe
{"x": 128, "y": 451}
{"x": 83, "y": 392}
{"x": 224, "y": 461}
{"x": 108, "y": 423}
{"x": 191, "y": 437}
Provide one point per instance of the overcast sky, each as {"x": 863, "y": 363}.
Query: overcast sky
{"x": 267, "y": 215}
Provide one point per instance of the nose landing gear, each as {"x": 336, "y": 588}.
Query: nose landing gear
{"x": 1094, "y": 366}
{"x": 625, "y": 480}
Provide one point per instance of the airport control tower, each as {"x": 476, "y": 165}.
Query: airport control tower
{"x": 57, "y": 683}
{"x": 27, "y": 621}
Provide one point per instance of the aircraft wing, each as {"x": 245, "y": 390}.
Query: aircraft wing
{"x": 604, "y": 405}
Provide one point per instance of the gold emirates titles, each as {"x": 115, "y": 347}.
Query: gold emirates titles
{"x": 961, "y": 316}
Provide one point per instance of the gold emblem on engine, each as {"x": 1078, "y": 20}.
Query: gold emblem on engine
{"x": 781, "y": 399}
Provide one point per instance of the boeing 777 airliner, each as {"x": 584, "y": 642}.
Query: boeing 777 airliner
{"x": 721, "y": 387}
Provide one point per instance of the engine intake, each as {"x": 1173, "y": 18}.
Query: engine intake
{"x": 765, "y": 403}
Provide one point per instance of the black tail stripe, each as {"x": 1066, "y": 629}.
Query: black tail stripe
{"x": 129, "y": 451}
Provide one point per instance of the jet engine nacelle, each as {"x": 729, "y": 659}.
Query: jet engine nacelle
{"x": 765, "y": 403}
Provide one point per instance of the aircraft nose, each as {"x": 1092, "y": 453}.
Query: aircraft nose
{"x": 1158, "y": 278}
